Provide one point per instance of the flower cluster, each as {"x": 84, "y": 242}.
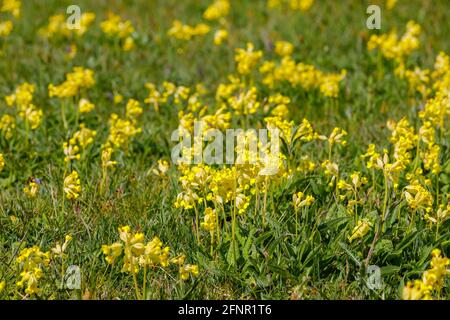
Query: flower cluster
{"x": 186, "y": 32}
{"x": 77, "y": 80}
{"x": 432, "y": 280}
{"x": 137, "y": 255}
{"x": 115, "y": 27}
{"x": 58, "y": 27}
{"x": 72, "y": 185}
{"x": 32, "y": 261}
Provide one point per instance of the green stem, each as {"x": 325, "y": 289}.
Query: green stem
{"x": 138, "y": 296}
{"x": 386, "y": 190}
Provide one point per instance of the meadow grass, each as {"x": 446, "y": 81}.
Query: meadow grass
{"x": 274, "y": 260}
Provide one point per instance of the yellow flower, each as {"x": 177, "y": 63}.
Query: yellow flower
{"x": 114, "y": 26}
{"x": 106, "y": 157}
{"x": 121, "y": 131}
{"x": 302, "y": 5}
{"x": 2, "y": 286}
{"x": 7, "y": 126}
{"x": 188, "y": 269}
{"x": 2, "y": 162}
{"x": 57, "y": 26}
{"x": 85, "y": 106}
{"x": 186, "y": 32}
{"x": 220, "y": 36}
{"x": 31, "y": 261}
{"x": 163, "y": 167}
{"x": 210, "y": 220}
{"x": 390, "y": 4}
{"x": 32, "y": 188}
{"x": 84, "y": 136}
{"x": 134, "y": 109}
{"x": 218, "y": 9}
{"x": 246, "y": 102}
{"x": 300, "y": 200}
{"x": 80, "y": 78}
{"x": 118, "y": 98}
{"x": 360, "y": 230}
{"x": 417, "y": 197}
{"x": 178, "y": 260}
{"x": 129, "y": 44}
{"x": 12, "y": 6}
{"x": 112, "y": 252}
{"x": 72, "y": 185}
{"x": 22, "y": 96}
{"x": 247, "y": 59}
{"x": 59, "y": 250}
{"x": 32, "y": 115}
{"x": 283, "y": 48}
{"x": 5, "y": 28}
{"x": 432, "y": 280}
{"x": 71, "y": 151}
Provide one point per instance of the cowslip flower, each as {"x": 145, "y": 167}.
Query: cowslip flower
{"x": 283, "y": 48}
{"x": 32, "y": 189}
{"x": 301, "y": 200}
{"x": 189, "y": 269}
{"x": 107, "y": 153}
{"x": 59, "y": 250}
{"x": 85, "y": 106}
{"x": 247, "y": 59}
{"x": 360, "y": 230}
{"x": 84, "y": 136}
{"x": 12, "y": 6}
{"x": 5, "y": 28}
{"x": 220, "y": 36}
{"x": 210, "y": 220}
{"x": 7, "y": 126}
{"x": 432, "y": 280}
{"x": 32, "y": 115}
{"x": 218, "y": 9}
{"x": 133, "y": 109}
{"x": 72, "y": 185}
{"x": 32, "y": 261}
{"x": 163, "y": 167}
{"x": 2, "y": 162}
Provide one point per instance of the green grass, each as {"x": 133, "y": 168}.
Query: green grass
{"x": 274, "y": 261}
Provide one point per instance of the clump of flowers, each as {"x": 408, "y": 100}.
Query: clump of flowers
{"x": 12, "y": 6}
{"x": 247, "y": 59}
{"x": 58, "y": 26}
{"x": 301, "y": 200}
{"x": 298, "y": 5}
{"x": 115, "y": 27}
{"x": 85, "y": 106}
{"x": 360, "y": 230}
{"x": 301, "y": 74}
{"x": 7, "y": 126}
{"x": 31, "y": 262}
{"x": 394, "y": 48}
{"x": 22, "y": 99}
{"x": 220, "y": 36}
{"x": 135, "y": 255}
{"x": 5, "y": 28}
{"x": 283, "y": 48}
{"x": 80, "y": 78}
{"x": 186, "y": 32}
{"x": 72, "y": 186}
{"x": 217, "y": 10}
{"x": 432, "y": 280}
{"x": 32, "y": 188}
{"x": 121, "y": 131}
{"x": 418, "y": 197}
